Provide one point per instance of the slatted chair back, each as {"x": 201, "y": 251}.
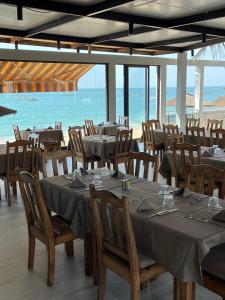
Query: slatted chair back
{"x": 58, "y": 125}
{"x": 80, "y": 128}
{"x": 214, "y": 124}
{"x": 136, "y": 158}
{"x": 54, "y": 158}
{"x": 36, "y": 211}
{"x": 155, "y": 123}
{"x": 76, "y": 142}
{"x": 174, "y": 139}
{"x": 113, "y": 227}
{"x": 124, "y": 142}
{"x": 196, "y": 135}
{"x": 89, "y": 127}
{"x": 204, "y": 179}
{"x": 148, "y": 134}
{"x": 170, "y": 129}
{"x": 123, "y": 120}
{"x": 192, "y": 122}
{"x": 17, "y": 133}
{"x": 182, "y": 153}
{"x": 19, "y": 154}
{"x": 217, "y": 137}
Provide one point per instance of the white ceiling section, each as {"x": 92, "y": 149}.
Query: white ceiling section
{"x": 145, "y": 26}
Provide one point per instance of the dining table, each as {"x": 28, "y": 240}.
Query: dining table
{"x": 103, "y": 146}
{"x": 44, "y": 135}
{"x": 177, "y": 240}
{"x": 161, "y": 137}
{"x": 109, "y": 129}
{"x": 166, "y": 168}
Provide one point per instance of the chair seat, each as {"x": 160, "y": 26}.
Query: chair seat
{"x": 61, "y": 231}
{"x": 214, "y": 262}
{"x": 145, "y": 261}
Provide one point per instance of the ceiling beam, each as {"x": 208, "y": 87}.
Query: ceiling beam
{"x": 208, "y": 43}
{"x": 202, "y": 29}
{"x": 106, "y": 6}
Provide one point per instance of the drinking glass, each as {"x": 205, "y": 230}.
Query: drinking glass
{"x": 105, "y": 172}
{"x": 214, "y": 203}
{"x": 77, "y": 174}
{"x": 163, "y": 189}
{"x": 97, "y": 180}
{"x": 168, "y": 201}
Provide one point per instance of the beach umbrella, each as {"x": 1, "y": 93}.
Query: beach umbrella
{"x": 190, "y": 101}
{"x": 6, "y": 111}
{"x": 219, "y": 101}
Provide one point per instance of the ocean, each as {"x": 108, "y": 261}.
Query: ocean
{"x": 71, "y": 108}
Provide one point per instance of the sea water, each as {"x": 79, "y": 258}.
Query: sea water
{"x": 72, "y": 108}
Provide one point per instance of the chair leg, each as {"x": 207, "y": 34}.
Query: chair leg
{"x": 8, "y": 193}
{"x": 92, "y": 165}
{"x": 14, "y": 188}
{"x": 31, "y": 252}
{"x": 101, "y": 283}
{"x": 135, "y": 288}
{"x": 69, "y": 248}
{"x": 108, "y": 165}
{"x": 51, "y": 264}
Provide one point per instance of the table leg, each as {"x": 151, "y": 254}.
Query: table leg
{"x": 184, "y": 290}
{"x": 169, "y": 178}
{"x": 88, "y": 255}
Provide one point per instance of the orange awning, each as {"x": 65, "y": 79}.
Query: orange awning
{"x": 19, "y": 77}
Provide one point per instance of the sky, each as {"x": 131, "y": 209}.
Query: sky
{"x": 95, "y": 78}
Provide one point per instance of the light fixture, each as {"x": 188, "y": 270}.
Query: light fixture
{"x": 58, "y": 45}
{"x": 16, "y": 45}
{"x": 131, "y": 28}
{"x": 89, "y": 49}
{"x": 203, "y": 38}
{"x": 131, "y": 51}
{"x": 192, "y": 52}
{"x": 19, "y": 12}
{"x": 78, "y": 50}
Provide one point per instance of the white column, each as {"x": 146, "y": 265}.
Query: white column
{"x": 199, "y": 86}
{"x": 162, "y": 94}
{"x": 112, "y": 91}
{"x": 181, "y": 88}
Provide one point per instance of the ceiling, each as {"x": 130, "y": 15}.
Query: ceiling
{"x": 123, "y": 26}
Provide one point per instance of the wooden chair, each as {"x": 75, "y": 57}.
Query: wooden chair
{"x": 155, "y": 123}
{"x": 55, "y": 157}
{"x": 89, "y": 127}
{"x": 196, "y": 135}
{"x": 123, "y": 120}
{"x": 213, "y": 124}
{"x": 170, "y": 129}
{"x": 17, "y": 132}
{"x": 123, "y": 146}
{"x": 116, "y": 243}
{"x": 173, "y": 139}
{"x": 204, "y": 179}
{"x": 19, "y": 154}
{"x": 217, "y": 137}
{"x": 58, "y": 125}
{"x": 146, "y": 159}
{"x": 192, "y": 122}
{"x": 80, "y": 128}
{"x": 51, "y": 231}
{"x": 182, "y": 153}
{"x": 149, "y": 139}
{"x": 78, "y": 150}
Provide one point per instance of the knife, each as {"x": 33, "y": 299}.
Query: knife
{"x": 162, "y": 213}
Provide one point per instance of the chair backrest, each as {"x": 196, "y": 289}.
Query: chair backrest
{"x": 80, "y": 128}
{"x": 89, "y": 127}
{"x": 192, "y": 122}
{"x": 17, "y": 133}
{"x": 203, "y": 179}
{"x": 54, "y": 157}
{"x": 217, "y": 137}
{"x": 113, "y": 227}
{"x": 124, "y": 142}
{"x": 213, "y": 124}
{"x": 36, "y": 211}
{"x": 19, "y": 154}
{"x": 170, "y": 129}
{"x": 182, "y": 153}
{"x": 123, "y": 120}
{"x": 155, "y": 123}
{"x": 174, "y": 139}
{"x": 76, "y": 142}
{"x": 148, "y": 134}
{"x": 196, "y": 135}
{"x": 146, "y": 159}
{"x": 58, "y": 125}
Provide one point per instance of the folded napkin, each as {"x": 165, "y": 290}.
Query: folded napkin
{"x": 220, "y": 216}
{"x": 114, "y": 123}
{"x": 206, "y": 154}
{"x": 50, "y": 127}
{"x": 100, "y": 124}
{"x": 83, "y": 171}
{"x": 28, "y": 129}
{"x": 76, "y": 184}
{"x": 117, "y": 174}
{"x": 183, "y": 192}
{"x": 144, "y": 206}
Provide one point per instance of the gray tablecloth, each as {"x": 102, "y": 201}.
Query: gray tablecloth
{"x": 166, "y": 166}
{"x": 160, "y": 137}
{"x": 173, "y": 240}
{"x": 102, "y": 146}
{"x": 109, "y": 129}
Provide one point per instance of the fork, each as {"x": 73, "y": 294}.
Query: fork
{"x": 203, "y": 220}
